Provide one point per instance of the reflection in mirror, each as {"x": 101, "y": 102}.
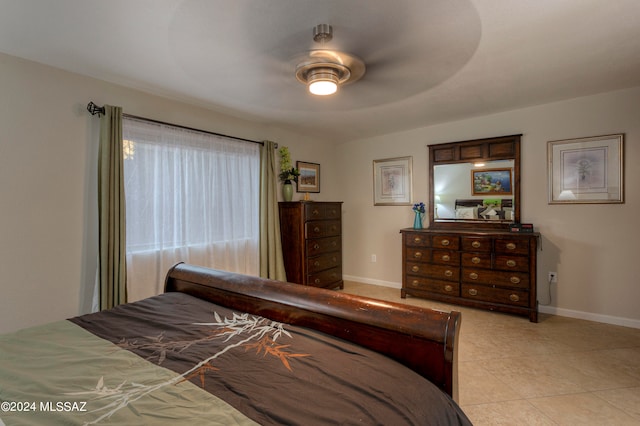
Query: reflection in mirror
{"x": 465, "y": 197}
{"x": 453, "y": 182}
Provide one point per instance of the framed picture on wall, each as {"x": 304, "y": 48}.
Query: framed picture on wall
{"x": 586, "y": 170}
{"x": 491, "y": 182}
{"x": 392, "y": 181}
{"x": 309, "y": 179}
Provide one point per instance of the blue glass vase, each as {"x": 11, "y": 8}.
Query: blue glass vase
{"x": 417, "y": 221}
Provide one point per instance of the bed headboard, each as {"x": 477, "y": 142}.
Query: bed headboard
{"x": 424, "y": 340}
{"x": 504, "y": 202}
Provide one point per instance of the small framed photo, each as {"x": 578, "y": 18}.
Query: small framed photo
{"x": 392, "y": 181}
{"x": 309, "y": 179}
{"x": 491, "y": 182}
{"x": 586, "y": 170}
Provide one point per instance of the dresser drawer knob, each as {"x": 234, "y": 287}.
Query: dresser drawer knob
{"x": 316, "y": 246}
{"x": 511, "y": 263}
{"x": 473, "y": 276}
{"x": 415, "y": 268}
{"x": 316, "y": 229}
{"x": 511, "y": 246}
{"x": 448, "y": 273}
{"x": 475, "y": 260}
{"x": 417, "y": 240}
{"x": 446, "y": 258}
{"x": 417, "y": 254}
{"x": 514, "y": 297}
{"x": 316, "y": 263}
{"x": 448, "y": 288}
{"x": 315, "y": 212}
{"x": 445, "y": 242}
{"x": 334, "y": 244}
{"x": 473, "y": 292}
{"x": 476, "y": 244}
{"x": 515, "y": 280}
{"x": 415, "y": 283}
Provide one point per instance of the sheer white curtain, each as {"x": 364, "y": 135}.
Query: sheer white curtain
{"x": 191, "y": 197}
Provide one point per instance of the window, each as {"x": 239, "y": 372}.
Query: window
{"x": 191, "y": 197}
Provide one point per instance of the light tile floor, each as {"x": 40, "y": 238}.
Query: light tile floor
{"x": 559, "y": 371}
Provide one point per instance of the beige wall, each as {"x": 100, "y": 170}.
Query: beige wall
{"x": 48, "y": 157}
{"x": 593, "y": 248}
{"x": 48, "y": 210}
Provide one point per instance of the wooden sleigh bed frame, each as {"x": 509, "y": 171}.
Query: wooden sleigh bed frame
{"x": 422, "y": 339}
{"x": 225, "y": 348}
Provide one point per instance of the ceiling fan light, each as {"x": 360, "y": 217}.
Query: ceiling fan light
{"x": 323, "y": 88}
{"x": 323, "y": 82}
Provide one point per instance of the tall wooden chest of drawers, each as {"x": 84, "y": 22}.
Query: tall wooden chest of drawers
{"x": 311, "y": 233}
{"x": 493, "y": 270}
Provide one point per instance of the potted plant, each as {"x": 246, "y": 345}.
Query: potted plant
{"x": 288, "y": 173}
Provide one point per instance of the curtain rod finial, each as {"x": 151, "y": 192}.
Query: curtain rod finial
{"x": 94, "y": 109}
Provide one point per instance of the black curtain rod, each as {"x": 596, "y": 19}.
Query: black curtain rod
{"x": 95, "y": 109}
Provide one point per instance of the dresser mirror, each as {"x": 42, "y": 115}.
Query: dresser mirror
{"x": 475, "y": 183}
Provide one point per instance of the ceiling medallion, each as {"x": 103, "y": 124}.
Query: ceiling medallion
{"x": 323, "y": 70}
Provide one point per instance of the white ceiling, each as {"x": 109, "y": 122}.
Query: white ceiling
{"x": 428, "y": 61}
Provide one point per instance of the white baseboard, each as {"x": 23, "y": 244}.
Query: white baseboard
{"x": 371, "y": 281}
{"x": 552, "y": 310}
{"x": 589, "y": 316}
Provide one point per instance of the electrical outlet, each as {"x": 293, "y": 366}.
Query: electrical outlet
{"x": 553, "y": 277}
{"x": 373, "y": 258}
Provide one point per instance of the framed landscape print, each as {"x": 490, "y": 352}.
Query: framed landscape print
{"x": 491, "y": 182}
{"x": 392, "y": 181}
{"x": 586, "y": 170}
{"x": 309, "y": 179}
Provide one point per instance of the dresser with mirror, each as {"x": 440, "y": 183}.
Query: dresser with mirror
{"x": 469, "y": 254}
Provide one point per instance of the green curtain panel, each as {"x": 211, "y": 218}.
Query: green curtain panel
{"x": 271, "y": 261}
{"x": 111, "y": 207}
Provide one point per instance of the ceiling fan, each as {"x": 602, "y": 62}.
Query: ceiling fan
{"x": 323, "y": 70}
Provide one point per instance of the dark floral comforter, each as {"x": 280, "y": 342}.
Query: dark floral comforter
{"x": 174, "y": 359}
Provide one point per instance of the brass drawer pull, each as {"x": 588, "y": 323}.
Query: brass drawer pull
{"x": 316, "y": 263}
{"x": 316, "y": 229}
{"x": 476, "y": 244}
{"x": 445, "y": 242}
{"x": 446, "y": 258}
{"x": 415, "y": 283}
{"x": 515, "y": 280}
{"x": 316, "y": 246}
{"x": 448, "y": 273}
{"x": 334, "y": 243}
{"x": 415, "y": 268}
{"x": 417, "y": 240}
{"x": 473, "y": 276}
{"x": 417, "y": 254}
{"x": 511, "y": 263}
{"x": 318, "y": 281}
{"x": 475, "y": 260}
{"x": 511, "y": 246}
{"x": 473, "y": 292}
{"x": 514, "y": 297}
{"x": 448, "y": 288}
{"x": 315, "y": 212}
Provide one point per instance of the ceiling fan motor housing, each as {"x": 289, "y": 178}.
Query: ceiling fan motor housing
{"x": 329, "y": 66}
